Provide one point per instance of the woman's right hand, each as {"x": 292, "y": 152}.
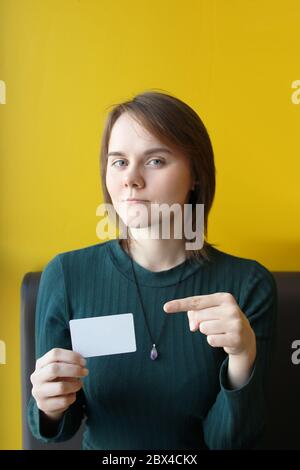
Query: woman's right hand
{"x": 56, "y": 379}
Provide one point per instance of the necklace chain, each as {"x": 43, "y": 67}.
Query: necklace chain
{"x": 153, "y": 353}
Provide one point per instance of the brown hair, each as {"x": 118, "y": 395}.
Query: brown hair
{"x": 176, "y": 124}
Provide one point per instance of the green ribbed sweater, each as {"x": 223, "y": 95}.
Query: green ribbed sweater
{"x": 182, "y": 399}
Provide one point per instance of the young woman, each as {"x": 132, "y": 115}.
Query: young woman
{"x": 204, "y": 319}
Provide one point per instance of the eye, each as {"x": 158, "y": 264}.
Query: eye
{"x": 113, "y": 164}
{"x": 161, "y": 162}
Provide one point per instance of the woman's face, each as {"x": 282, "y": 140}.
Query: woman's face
{"x": 162, "y": 176}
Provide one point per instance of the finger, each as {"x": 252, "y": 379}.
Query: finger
{"x": 195, "y": 302}
{"x": 67, "y": 379}
{"x": 54, "y": 389}
{"x": 219, "y": 341}
{"x": 59, "y": 369}
{"x": 213, "y": 327}
{"x": 59, "y": 403}
{"x": 60, "y": 355}
{"x": 197, "y": 316}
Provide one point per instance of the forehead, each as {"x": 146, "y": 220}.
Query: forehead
{"x": 127, "y": 132}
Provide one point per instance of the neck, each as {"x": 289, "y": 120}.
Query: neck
{"x": 155, "y": 254}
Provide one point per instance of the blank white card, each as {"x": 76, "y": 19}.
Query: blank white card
{"x": 100, "y": 336}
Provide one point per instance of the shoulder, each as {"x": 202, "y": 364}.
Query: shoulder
{"x": 77, "y": 259}
{"x": 252, "y": 284}
{"x": 84, "y": 252}
{"x": 250, "y": 271}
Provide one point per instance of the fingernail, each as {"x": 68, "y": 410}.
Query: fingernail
{"x": 192, "y": 326}
{"x": 83, "y": 361}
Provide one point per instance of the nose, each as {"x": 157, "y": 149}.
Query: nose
{"x": 133, "y": 178}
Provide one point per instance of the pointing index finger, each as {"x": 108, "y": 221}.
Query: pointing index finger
{"x": 195, "y": 302}
{"x": 179, "y": 305}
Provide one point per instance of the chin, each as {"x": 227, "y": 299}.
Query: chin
{"x": 134, "y": 216}
{"x": 134, "y": 224}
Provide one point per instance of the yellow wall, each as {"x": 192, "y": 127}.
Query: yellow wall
{"x": 64, "y": 61}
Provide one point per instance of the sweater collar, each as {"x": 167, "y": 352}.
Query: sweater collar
{"x": 145, "y": 277}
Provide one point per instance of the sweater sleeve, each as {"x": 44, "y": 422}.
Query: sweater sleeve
{"x": 52, "y": 331}
{"x": 236, "y": 420}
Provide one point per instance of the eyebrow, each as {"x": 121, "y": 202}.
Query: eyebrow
{"x": 147, "y": 152}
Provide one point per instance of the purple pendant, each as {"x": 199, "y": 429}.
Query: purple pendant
{"x": 153, "y": 353}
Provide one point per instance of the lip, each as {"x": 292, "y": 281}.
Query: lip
{"x": 135, "y": 201}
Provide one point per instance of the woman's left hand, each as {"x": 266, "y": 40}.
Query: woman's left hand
{"x": 219, "y": 317}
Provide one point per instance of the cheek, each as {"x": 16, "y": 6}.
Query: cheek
{"x": 112, "y": 183}
{"x": 176, "y": 183}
